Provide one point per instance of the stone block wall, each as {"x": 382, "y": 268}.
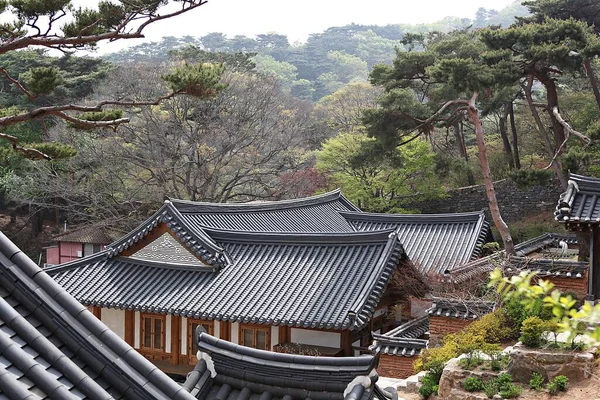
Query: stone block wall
{"x": 514, "y": 203}
{"x": 398, "y": 367}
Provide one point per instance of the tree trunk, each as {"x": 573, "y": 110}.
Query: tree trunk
{"x": 558, "y": 130}
{"x": 505, "y": 141}
{"x": 542, "y": 130}
{"x": 513, "y": 128}
{"x": 590, "y": 73}
{"x": 487, "y": 179}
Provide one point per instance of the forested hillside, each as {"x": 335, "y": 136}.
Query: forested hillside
{"x": 382, "y": 112}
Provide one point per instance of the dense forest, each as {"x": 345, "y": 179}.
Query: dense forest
{"x": 384, "y": 112}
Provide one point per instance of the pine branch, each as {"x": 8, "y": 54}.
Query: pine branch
{"x": 29, "y": 153}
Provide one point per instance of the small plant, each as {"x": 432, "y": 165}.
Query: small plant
{"x": 428, "y": 387}
{"x": 536, "y": 381}
{"x": 473, "y": 384}
{"x": 490, "y": 388}
{"x": 561, "y": 382}
{"x": 498, "y": 360}
{"x": 510, "y": 391}
{"x": 471, "y": 361}
{"x": 552, "y": 388}
{"x": 532, "y": 331}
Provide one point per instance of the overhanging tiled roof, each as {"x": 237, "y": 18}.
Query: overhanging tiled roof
{"x": 229, "y": 371}
{"x": 465, "y": 309}
{"x": 51, "y": 346}
{"x": 436, "y": 243}
{"x": 301, "y": 280}
{"x": 579, "y": 204}
{"x": 311, "y": 214}
{"x": 89, "y": 234}
{"x": 543, "y": 242}
{"x": 405, "y": 340}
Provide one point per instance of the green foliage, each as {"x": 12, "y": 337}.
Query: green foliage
{"x": 95, "y": 22}
{"x": 199, "y": 80}
{"x": 533, "y": 330}
{"x": 561, "y": 382}
{"x": 490, "y": 388}
{"x": 510, "y": 391}
{"x": 525, "y": 178}
{"x": 493, "y": 327}
{"x": 502, "y": 385}
{"x": 473, "y": 384}
{"x": 429, "y": 386}
{"x": 536, "y": 381}
{"x": 42, "y": 80}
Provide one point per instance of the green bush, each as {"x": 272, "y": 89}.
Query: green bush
{"x": 473, "y": 384}
{"x": 510, "y": 391}
{"x": 532, "y": 331}
{"x": 428, "y": 386}
{"x": 561, "y": 382}
{"x": 536, "y": 381}
{"x": 490, "y": 388}
{"x": 552, "y": 388}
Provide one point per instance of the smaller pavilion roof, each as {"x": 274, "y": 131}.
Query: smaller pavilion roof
{"x": 404, "y": 340}
{"x": 229, "y": 371}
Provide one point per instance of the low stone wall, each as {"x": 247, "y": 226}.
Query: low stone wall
{"x": 575, "y": 365}
{"x": 398, "y": 367}
{"x": 514, "y": 203}
{"x": 452, "y": 378}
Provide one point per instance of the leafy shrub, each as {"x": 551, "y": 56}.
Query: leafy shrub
{"x": 561, "y": 382}
{"x": 429, "y": 386}
{"x": 493, "y": 327}
{"x": 532, "y": 331}
{"x": 552, "y": 388}
{"x": 473, "y": 384}
{"x": 536, "y": 381}
{"x": 490, "y": 388}
{"x": 510, "y": 391}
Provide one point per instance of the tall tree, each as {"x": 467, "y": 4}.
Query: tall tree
{"x": 58, "y": 25}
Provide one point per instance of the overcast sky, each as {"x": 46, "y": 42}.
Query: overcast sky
{"x": 297, "y": 19}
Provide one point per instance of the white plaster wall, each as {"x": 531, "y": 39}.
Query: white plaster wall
{"x": 316, "y": 338}
{"x": 235, "y": 333}
{"x": 168, "y": 335}
{"x": 115, "y": 320}
{"x": 136, "y": 337}
{"x": 380, "y": 312}
{"x": 356, "y": 344}
{"x": 216, "y": 329}
{"x": 184, "y": 336}
{"x": 274, "y": 336}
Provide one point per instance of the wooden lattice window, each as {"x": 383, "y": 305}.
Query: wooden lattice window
{"x": 258, "y": 337}
{"x": 153, "y": 332}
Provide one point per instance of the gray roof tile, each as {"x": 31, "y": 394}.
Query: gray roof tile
{"x": 579, "y": 204}
{"x": 53, "y": 347}
{"x": 405, "y": 340}
{"x": 302, "y": 280}
{"x": 435, "y": 243}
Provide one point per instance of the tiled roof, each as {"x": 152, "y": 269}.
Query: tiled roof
{"x": 302, "y": 280}
{"x": 544, "y": 242}
{"x": 89, "y": 234}
{"x": 311, "y": 214}
{"x": 435, "y": 243}
{"x": 465, "y": 309}
{"x": 405, "y": 340}
{"x": 51, "y": 346}
{"x": 579, "y": 204}
{"x": 229, "y": 371}
{"x": 545, "y": 268}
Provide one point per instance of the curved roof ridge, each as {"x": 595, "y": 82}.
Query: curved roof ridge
{"x": 408, "y": 218}
{"x": 325, "y": 238}
{"x": 208, "y": 207}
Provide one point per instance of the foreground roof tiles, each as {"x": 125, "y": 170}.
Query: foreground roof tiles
{"x": 229, "y": 371}
{"x": 465, "y": 309}
{"x": 51, "y": 346}
{"x": 302, "y": 280}
{"x": 311, "y": 214}
{"x": 435, "y": 243}
{"x": 580, "y": 203}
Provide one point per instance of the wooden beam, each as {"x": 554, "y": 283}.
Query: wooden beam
{"x": 225, "y": 330}
{"x": 346, "y": 343}
{"x": 149, "y": 238}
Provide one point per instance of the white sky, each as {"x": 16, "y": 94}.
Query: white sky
{"x": 297, "y": 19}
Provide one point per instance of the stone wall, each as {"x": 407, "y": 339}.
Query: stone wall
{"x": 398, "y": 367}
{"x": 514, "y": 203}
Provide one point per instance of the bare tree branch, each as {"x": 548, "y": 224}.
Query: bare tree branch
{"x": 18, "y": 84}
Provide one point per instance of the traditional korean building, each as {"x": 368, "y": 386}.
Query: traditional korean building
{"x": 579, "y": 209}
{"x": 51, "y": 346}
{"x": 79, "y": 243}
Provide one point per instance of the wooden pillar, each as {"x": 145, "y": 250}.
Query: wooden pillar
{"x": 175, "y": 339}
{"x": 225, "y": 330}
{"x": 130, "y": 327}
{"x": 285, "y": 334}
{"x": 346, "y": 344}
